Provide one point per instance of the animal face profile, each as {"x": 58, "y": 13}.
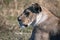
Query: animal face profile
{"x": 46, "y": 25}
{"x": 29, "y": 15}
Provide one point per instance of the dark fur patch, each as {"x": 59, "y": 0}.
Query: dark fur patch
{"x": 35, "y": 8}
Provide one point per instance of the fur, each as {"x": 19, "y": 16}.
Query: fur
{"x": 46, "y": 25}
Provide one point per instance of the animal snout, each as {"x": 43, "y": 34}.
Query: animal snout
{"x": 19, "y": 19}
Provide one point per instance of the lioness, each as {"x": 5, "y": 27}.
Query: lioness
{"x": 46, "y": 25}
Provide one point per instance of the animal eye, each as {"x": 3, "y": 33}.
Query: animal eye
{"x": 27, "y": 14}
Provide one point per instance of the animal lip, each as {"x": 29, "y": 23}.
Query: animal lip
{"x": 25, "y": 25}
{"x": 22, "y": 25}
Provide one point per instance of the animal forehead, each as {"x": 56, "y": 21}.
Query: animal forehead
{"x": 27, "y": 11}
{"x": 34, "y": 8}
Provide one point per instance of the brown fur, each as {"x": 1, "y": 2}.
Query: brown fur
{"x": 46, "y": 30}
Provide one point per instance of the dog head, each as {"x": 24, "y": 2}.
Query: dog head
{"x": 29, "y": 15}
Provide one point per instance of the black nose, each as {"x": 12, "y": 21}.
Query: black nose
{"x": 19, "y": 19}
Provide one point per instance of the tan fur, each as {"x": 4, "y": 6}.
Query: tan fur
{"x": 50, "y": 25}
{"x": 42, "y": 31}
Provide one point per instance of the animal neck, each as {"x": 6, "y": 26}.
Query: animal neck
{"x": 37, "y": 34}
{"x": 41, "y": 17}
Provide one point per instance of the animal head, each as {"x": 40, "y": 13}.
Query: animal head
{"x": 30, "y": 15}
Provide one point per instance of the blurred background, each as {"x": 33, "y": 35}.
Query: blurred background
{"x": 11, "y": 9}
{"x": 9, "y": 27}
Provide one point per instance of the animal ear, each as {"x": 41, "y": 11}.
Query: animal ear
{"x": 37, "y": 7}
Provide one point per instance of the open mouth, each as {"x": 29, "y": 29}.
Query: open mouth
{"x": 22, "y": 25}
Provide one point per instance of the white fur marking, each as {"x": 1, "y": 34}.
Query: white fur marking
{"x": 30, "y": 23}
{"x": 38, "y": 18}
{"x": 41, "y": 17}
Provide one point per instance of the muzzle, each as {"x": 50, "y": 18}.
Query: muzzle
{"x": 21, "y": 23}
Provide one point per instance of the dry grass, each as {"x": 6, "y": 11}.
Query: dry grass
{"x": 9, "y": 27}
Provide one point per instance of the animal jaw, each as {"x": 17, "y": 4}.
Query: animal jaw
{"x": 30, "y": 15}
{"x": 44, "y": 22}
